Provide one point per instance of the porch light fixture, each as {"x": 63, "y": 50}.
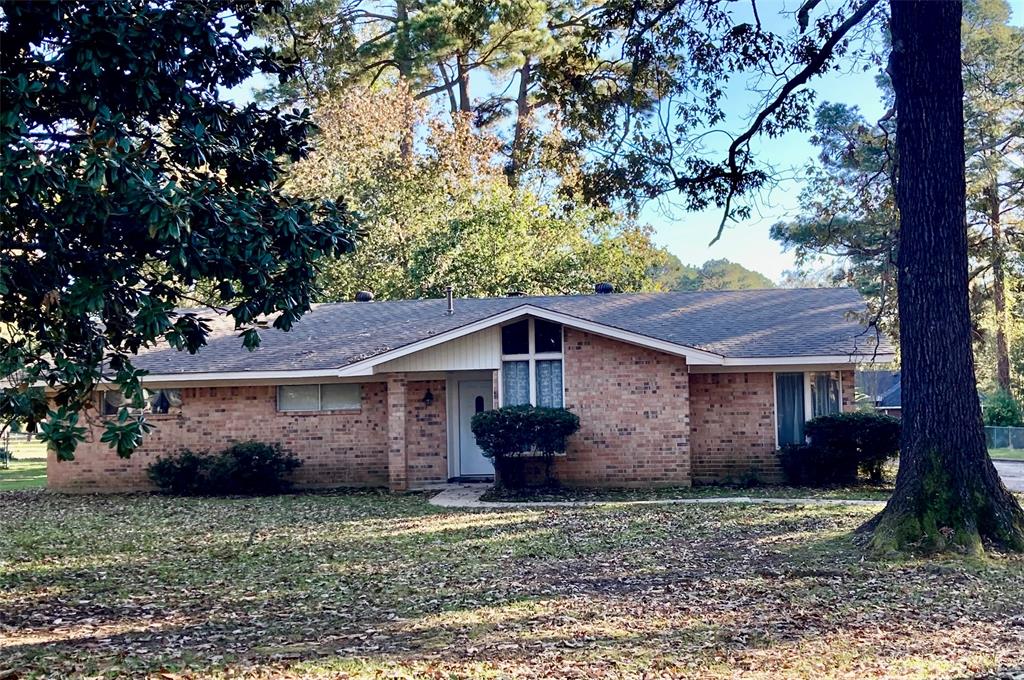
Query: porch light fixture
{"x": 428, "y": 398}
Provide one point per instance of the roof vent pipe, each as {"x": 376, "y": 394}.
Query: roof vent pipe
{"x": 604, "y": 288}
{"x": 451, "y": 301}
{"x": 364, "y": 296}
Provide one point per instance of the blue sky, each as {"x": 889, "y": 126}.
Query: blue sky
{"x": 687, "y": 235}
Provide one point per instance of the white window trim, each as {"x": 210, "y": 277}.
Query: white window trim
{"x": 532, "y": 357}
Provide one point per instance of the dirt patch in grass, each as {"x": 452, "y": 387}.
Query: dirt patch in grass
{"x": 371, "y": 585}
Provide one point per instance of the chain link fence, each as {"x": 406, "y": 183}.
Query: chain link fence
{"x": 1004, "y": 437}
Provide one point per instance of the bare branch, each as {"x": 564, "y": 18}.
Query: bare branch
{"x": 810, "y": 69}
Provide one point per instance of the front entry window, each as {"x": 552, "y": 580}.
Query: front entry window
{"x": 549, "y": 383}
{"x": 515, "y": 380}
{"x": 531, "y": 367}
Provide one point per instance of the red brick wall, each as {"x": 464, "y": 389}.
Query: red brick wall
{"x": 338, "y": 449}
{"x": 634, "y": 414}
{"x": 426, "y": 433}
{"x": 733, "y": 427}
{"x": 847, "y": 388}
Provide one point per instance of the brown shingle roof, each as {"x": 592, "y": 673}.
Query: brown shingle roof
{"x": 749, "y": 323}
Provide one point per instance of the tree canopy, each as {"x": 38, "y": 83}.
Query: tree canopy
{"x": 445, "y": 215}
{"x": 127, "y": 178}
{"x": 718, "y": 274}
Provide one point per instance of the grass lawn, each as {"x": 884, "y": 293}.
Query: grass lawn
{"x": 1007, "y": 454}
{"x": 23, "y": 474}
{"x": 367, "y": 585}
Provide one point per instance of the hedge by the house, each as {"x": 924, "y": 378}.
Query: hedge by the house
{"x": 514, "y": 435}
{"x": 250, "y": 468}
{"x": 840, "y": 446}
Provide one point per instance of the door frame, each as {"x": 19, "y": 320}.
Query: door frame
{"x": 452, "y": 392}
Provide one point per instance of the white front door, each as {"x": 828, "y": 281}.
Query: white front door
{"x": 474, "y": 397}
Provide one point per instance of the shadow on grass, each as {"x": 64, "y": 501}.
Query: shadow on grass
{"x": 150, "y": 583}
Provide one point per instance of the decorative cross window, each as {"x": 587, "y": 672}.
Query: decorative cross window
{"x": 531, "y": 363}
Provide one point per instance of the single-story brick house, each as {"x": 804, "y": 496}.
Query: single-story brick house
{"x": 670, "y": 388}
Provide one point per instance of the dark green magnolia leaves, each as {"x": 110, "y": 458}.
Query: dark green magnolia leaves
{"x": 128, "y": 179}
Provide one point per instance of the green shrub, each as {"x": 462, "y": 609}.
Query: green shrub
{"x": 185, "y": 473}
{"x": 515, "y": 436}
{"x": 1002, "y": 410}
{"x": 504, "y": 431}
{"x": 249, "y": 468}
{"x": 804, "y": 465}
{"x": 841, "y": 445}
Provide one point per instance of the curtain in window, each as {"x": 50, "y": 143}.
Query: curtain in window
{"x": 515, "y": 383}
{"x": 824, "y": 394}
{"x": 789, "y": 398}
{"x": 549, "y": 383}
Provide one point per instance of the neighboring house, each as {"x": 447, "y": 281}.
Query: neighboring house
{"x": 880, "y": 390}
{"x": 670, "y": 388}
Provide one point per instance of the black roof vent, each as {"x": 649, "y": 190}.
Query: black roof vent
{"x": 364, "y": 296}
{"x": 515, "y": 293}
{"x": 604, "y": 288}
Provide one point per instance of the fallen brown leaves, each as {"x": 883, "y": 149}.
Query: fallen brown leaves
{"x": 369, "y": 585}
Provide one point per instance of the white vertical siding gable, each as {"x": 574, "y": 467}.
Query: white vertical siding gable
{"x": 477, "y": 351}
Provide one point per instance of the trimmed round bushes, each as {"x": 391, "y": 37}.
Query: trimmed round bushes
{"x": 249, "y": 468}
{"x": 513, "y": 436}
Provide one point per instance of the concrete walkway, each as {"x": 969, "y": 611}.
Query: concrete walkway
{"x": 468, "y": 496}
{"x": 1012, "y": 473}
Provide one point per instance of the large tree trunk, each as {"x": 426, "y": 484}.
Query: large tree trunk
{"x": 403, "y": 56}
{"x": 523, "y": 116}
{"x": 462, "y": 74}
{"x": 948, "y": 494}
{"x": 999, "y": 287}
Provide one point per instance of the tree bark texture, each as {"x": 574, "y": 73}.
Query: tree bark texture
{"x": 948, "y": 495}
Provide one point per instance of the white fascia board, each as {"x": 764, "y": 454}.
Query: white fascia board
{"x": 813, "y": 360}
{"x": 236, "y": 377}
{"x": 693, "y": 356}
